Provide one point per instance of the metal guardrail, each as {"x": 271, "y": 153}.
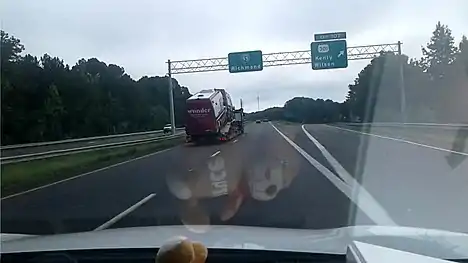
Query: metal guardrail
{"x": 451, "y": 125}
{"x": 40, "y": 144}
{"x": 63, "y": 152}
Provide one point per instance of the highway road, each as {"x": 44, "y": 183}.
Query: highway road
{"x": 275, "y": 175}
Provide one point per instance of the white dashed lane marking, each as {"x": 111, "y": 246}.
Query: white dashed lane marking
{"x": 216, "y": 153}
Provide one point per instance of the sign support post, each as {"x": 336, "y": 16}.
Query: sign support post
{"x": 171, "y": 97}
{"x": 402, "y": 85}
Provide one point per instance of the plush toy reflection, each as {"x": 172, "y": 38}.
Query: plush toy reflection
{"x": 182, "y": 250}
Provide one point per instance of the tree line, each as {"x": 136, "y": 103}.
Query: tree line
{"x": 44, "y": 99}
{"x": 395, "y": 88}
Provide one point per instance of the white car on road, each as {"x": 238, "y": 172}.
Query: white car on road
{"x": 167, "y": 128}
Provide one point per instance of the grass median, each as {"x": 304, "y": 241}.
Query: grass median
{"x": 18, "y": 177}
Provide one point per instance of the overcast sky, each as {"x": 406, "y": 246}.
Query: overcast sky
{"x": 140, "y": 35}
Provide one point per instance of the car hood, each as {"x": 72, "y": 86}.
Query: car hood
{"x": 436, "y": 243}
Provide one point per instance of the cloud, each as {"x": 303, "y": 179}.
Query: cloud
{"x": 141, "y": 35}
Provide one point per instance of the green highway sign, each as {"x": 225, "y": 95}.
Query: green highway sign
{"x": 245, "y": 61}
{"x": 329, "y": 36}
{"x": 329, "y": 54}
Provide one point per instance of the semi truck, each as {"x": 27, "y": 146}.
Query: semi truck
{"x": 212, "y": 116}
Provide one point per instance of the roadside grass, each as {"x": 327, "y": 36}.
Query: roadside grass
{"x": 430, "y": 136}
{"x": 433, "y": 136}
{"x": 18, "y": 177}
{"x": 422, "y": 134}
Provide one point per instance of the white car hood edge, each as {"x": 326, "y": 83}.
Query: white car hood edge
{"x": 332, "y": 241}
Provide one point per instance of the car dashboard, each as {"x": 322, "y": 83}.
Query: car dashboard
{"x": 149, "y": 255}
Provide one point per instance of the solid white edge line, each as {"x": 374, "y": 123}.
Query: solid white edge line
{"x": 327, "y": 173}
{"x": 81, "y": 175}
{"x": 127, "y": 211}
{"x": 216, "y": 153}
{"x": 375, "y": 215}
{"x": 401, "y": 140}
{"x": 334, "y": 163}
{"x": 363, "y": 194}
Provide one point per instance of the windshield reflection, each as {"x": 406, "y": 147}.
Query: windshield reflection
{"x": 213, "y": 190}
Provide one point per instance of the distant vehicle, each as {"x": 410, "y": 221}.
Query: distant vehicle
{"x": 258, "y": 121}
{"x": 266, "y": 120}
{"x": 167, "y": 128}
{"x": 211, "y": 114}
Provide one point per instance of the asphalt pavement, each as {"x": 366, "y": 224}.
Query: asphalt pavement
{"x": 416, "y": 183}
{"x": 275, "y": 175}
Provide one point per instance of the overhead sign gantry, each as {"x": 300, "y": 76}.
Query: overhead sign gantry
{"x": 329, "y": 51}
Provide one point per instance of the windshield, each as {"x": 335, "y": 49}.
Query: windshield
{"x": 288, "y": 114}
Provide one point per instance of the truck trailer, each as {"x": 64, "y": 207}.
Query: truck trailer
{"x": 212, "y": 116}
